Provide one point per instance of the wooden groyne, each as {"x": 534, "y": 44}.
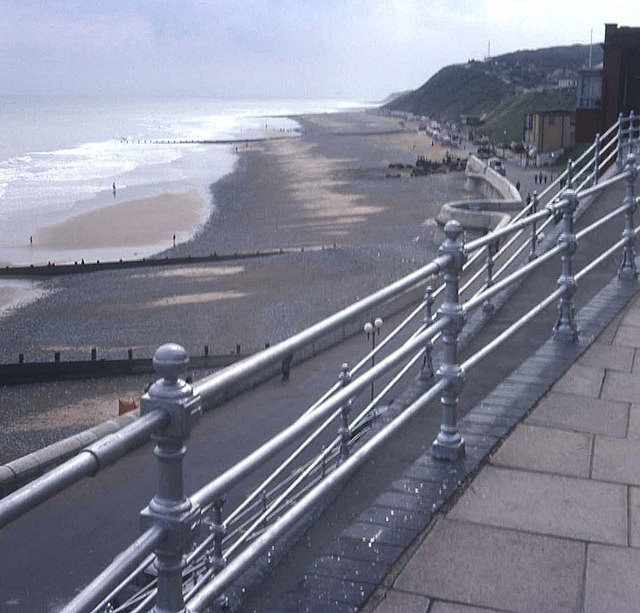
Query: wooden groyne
{"x": 52, "y": 270}
{"x": 38, "y": 372}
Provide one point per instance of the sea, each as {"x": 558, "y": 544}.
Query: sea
{"x": 61, "y": 156}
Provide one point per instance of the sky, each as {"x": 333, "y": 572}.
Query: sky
{"x": 353, "y": 49}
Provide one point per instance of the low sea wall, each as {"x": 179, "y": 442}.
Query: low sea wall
{"x": 483, "y": 214}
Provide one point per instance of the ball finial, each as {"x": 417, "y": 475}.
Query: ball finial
{"x": 453, "y": 229}
{"x": 171, "y": 361}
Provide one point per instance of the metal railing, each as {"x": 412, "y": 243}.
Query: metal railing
{"x": 170, "y": 563}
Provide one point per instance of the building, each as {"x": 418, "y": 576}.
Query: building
{"x": 589, "y": 92}
{"x": 621, "y": 72}
{"x": 566, "y": 83}
{"x": 548, "y": 133}
{"x": 618, "y": 83}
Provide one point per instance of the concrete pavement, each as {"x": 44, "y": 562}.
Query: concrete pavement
{"x": 552, "y": 521}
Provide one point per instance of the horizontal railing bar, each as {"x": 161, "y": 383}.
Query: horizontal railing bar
{"x": 231, "y": 476}
{"x": 118, "y": 570}
{"x": 601, "y": 258}
{"x": 603, "y": 184}
{"x": 136, "y": 571}
{"x": 479, "y": 298}
{"x": 238, "y": 371}
{"x": 603, "y": 220}
{"x": 199, "y": 602}
{"x": 512, "y": 329}
{"x": 85, "y": 464}
{"x": 522, "y": 223}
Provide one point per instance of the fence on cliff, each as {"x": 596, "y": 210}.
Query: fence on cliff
{"x": 172, "y": 565}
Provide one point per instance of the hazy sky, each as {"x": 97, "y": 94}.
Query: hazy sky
{"x": 356, "y": 49}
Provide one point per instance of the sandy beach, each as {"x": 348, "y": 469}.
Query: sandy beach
{"x": 130, "y": 223}
{"x": 328, "y": 186}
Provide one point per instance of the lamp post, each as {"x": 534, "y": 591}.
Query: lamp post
{"x": 372, "y": 330}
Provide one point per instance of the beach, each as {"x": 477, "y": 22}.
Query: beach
{"x": 128, "y": 224}
{"x": 330, "y": 186}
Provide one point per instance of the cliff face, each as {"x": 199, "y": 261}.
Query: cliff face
{"x": 502, "y": 89}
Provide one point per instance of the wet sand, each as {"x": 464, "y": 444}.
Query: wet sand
{"x": 329, "y": 186}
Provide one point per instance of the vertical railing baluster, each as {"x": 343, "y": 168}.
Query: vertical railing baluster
{"x": 533, "y": 241}
{"x": 216, "y": 558}
{"x": 619, "y": 156}
{"x": 570, "y": 174}
{"x": 632, "y": 120}
{"x": 628, "y": 268}
{"x": 449, "y": 445}
{"x": 596, "y": 161}
{"x": 343, "y": 430}
{"x": 566, "y": 329}
{"x": 426, "y": 372}
{"x": 170, "y": 507}
{"x": 487, "y": 306}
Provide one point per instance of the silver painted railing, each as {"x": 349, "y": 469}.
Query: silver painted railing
{"x": 194, "y": 572}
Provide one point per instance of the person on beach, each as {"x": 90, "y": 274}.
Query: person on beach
{"x": 174, "y": 240}
{"x": 114, "y": 189}
{"x": 518, "y": 185}
{"x": 31, "y": 240}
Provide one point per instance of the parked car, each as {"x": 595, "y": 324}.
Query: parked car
{"x": 496, "y": 164}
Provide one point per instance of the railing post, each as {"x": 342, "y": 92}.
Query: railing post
{"x": 632, "y": 118}
{"x": 628, "y": 268}
{"x": 565, "y": 329}
{"x": 619, "y": 155}
{"x": 488, "y": 306}
{"x": 169, "y": 507}
{"x": 343, "y": 429}
{"x": 570, "y": 174}
{"x": 596, "y": 160}
{"x": 426, "y": 372}
{"x": 534, "y": 229}
{"x": 449, "y": 445}
{"x": 216, "y": 558}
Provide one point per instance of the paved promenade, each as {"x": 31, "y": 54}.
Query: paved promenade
{"x": 552, "y": 522}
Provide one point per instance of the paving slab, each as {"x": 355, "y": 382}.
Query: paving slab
{"x": 627, "y": 335}
{"x": 609, "y": 333}
{"x": 634, "y": 517}
{"x": 494, "y": 568}
{"x": 611, "y": 357}
{"x": 612, "y": 580}
{"x": 357, "y": 570}
{"x": 631, "y": 316}
{"x": 401, "y": 602}
{"x": 546, "y": 450}
{"x": 634, "y": 422}
{"x": 624, "y": 387}
{"x": 546, "y": 504}
{"x": 616, "y": 460}
{"x": 452, "y": 607}
{"x": 581, "y": 380}
{"x": 583, "y": 414}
